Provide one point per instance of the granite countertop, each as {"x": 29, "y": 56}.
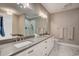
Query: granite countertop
{"x": 6, "y": 37}
{"x": 12, "y": 50}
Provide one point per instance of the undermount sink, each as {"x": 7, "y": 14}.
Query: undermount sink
{"x": 22, "y": 44}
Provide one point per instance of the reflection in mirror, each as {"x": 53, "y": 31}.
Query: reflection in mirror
{"x": 35, "y": 25}
{"x": 2, "y": 33}
{"x": 31, "y": 25}
{"x": 26, "y": 21}
{"x": 5, "y": 26}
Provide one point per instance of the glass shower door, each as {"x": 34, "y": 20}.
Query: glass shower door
{"x": 29, "y": 27}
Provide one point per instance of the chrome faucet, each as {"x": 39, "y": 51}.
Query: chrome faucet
{"x": 36, "y": 35}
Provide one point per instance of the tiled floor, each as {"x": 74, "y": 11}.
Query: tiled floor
{"x": 62, "y": 50}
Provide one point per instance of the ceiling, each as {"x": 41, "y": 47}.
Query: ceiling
{"x": 59, "y": 7}
{"x": 50, "y": 7}
{"x": 27, "y": 11}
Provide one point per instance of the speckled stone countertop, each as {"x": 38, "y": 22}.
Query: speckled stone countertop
{"x": 10, "y": 50}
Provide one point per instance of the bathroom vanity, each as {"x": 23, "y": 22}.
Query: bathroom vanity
{"x": 28, "y": 23}
{"x": 40, "y": 46}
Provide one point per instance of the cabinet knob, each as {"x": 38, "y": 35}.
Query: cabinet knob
{"x": 45, "y": 41}
{"x": 45, "y": 47}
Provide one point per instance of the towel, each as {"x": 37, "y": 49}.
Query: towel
{"x": 1, "y": 27}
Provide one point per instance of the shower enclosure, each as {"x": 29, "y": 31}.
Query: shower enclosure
{"x": 29, "y": 27}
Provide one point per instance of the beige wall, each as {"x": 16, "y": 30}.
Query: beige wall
{"x": 21, "y": 24}
{"x": 62, "y": 24}
{"x": 15, "y": 24}
{"x": 18, "y": 24}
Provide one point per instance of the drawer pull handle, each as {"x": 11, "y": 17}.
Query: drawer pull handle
{"x": 45, "y": 47}
{"x": 30, "y": 51}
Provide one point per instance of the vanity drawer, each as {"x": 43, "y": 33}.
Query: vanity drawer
{"x": 21, "y": 53}
{"x": 7, "y": 51}
{"x": 37, "y": 50}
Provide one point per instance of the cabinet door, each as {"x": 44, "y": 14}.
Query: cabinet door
{"x": 52, "y": 41}
{"x": 21, "y": 54}
{"x": 49, "y": 46}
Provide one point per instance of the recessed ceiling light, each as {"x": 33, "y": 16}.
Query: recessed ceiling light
{"x": 42, "y": 14}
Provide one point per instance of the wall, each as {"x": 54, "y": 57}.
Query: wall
{"x": 63, "y": 23}
{"x": 21, "y": 23}
{"x": 15, "y": 24}
{"x": 18, "y": 24}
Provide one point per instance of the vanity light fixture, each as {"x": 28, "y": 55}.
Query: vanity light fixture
{"x": 8, "y": 11}
{"x": 24, "y": 5}
{"x": 42, "y": 14}
{"x": 68, "y": 5}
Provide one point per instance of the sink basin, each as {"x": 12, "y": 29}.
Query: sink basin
{"x": 22, "y": 44}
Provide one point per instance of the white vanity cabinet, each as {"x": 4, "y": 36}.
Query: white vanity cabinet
{"x": 41, "y": 49}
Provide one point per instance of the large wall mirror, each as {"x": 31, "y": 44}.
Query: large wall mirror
{"x": 26, "y": 21}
